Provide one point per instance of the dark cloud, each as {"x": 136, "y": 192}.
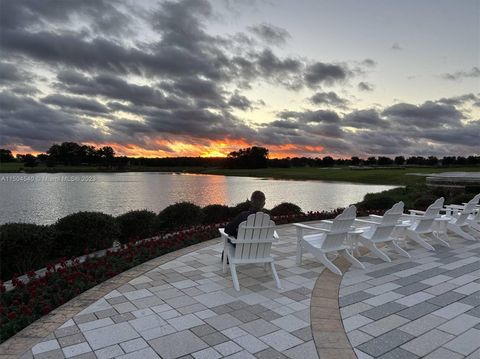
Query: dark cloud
{"x": 270, "y": 34}
{"x": 369, "y": 119}
{"x": 24, "y": 120}
{"x": 321, "y": 73}
{"x": 428, "y": 115}
{"x": 75, "y": 103}
{"x": 473, "y": 73}
{"x": 459, "y": 100}
{"x": 369, "y": 63}
{"x": 365, "y": 86}
{"x": 328, "y": 98}
{"x": 240, "y": 102}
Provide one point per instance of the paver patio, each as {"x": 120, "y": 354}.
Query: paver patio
{"x": 427, "y": 306}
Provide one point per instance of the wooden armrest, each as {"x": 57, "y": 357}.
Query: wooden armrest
{"x": 275, "y": 235}
{"x": 375, "y": 216}
{"x": 306, "y": 226}
{"x": 414, "y": 211}
{"x": 365, "y": 221}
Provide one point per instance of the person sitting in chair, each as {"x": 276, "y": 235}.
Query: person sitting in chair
{"x": 257, "y": 202}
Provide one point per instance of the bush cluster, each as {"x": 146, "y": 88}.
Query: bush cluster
{"x": 26, "y": 247}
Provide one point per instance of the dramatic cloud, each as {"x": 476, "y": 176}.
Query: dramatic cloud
{"x": 328, "y": 98}
{"x": 365, "y": 86}
{"x": 270, "y": 34}
{"x": 321, "y": 73}
{"x": 473, "y": 73}
{"x": 153, "y": 78}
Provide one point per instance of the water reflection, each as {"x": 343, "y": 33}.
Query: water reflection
{"x": 45, "y": 197}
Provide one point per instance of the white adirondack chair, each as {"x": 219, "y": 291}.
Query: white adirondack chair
{"x": 333, "y": 238}
{"x": 252, "y": 245}
{"x": 423, "y": 224}
{"x": 460, "y": 223}
{"x": 473, "y": 219}
{"x": 380, "y": 231}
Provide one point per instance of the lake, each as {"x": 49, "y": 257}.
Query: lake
{"x": 43, "y": 198}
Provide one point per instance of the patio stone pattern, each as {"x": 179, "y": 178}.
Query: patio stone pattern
{"x": 182, "y": 305}
{"x": 424, "y": 307}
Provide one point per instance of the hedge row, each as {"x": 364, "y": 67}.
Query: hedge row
{"x": 25, "y": 247}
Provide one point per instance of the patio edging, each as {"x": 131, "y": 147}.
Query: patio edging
{"x": 329, "y": 335}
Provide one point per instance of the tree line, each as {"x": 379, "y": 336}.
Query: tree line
{"x": 71, "y": 153}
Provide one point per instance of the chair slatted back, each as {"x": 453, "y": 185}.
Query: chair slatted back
{"x": 386, "y": 226}
{"x": 259, "y": 228}
{"x": 341, "y": 225}
{"x": 424, "y": 223}
{"x": 469, "y": 208}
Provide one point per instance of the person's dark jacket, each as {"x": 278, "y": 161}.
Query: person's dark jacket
{"x": 232, "y": 228}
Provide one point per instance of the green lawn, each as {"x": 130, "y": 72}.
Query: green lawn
{"x": 388, "y": 176}
{"x": 391, "y": 176}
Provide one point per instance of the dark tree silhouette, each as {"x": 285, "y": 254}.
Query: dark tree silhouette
{"x": 251, "y": 157}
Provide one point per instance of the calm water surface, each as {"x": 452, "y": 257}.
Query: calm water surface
{"x": 43, "y": 198}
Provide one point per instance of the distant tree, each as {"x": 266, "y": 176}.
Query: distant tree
{"x": 29, "y": 160}
{"x": 432, "y": 161}
{"x": 371, "y": 161}
{"x": 6, "y": 155}
{"x": 461, "y": 160}
{"x": 68, "y": 153}
{"x": 107, "y": 154}
{"x": 399, "y": 160}
{"x": 355, "y": 161}
{"x": 251, "y": 157}
{"x": 328, "y": 161}
{"x": 384, "y": 161}
{"x": 448, "y": 160}
{"x": 473, "y": 160}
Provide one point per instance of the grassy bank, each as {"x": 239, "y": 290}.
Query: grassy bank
{"x": 387, "y": 176}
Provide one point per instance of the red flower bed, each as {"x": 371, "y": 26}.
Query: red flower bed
{"x": 29, "y": 301}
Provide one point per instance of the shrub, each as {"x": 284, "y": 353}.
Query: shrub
{"x": 424, "y": 201}
{"x": 179, "y": 215}
{"x": 136, "y": 225}
{"x": 285, "y": 208}
{"x": 84, "y": 230}
{"x": 462, "y": 198}
{"x": 215, "y": 213}
{"x": 23, "y": 247}
{"x": 376, "y": 201}
{"x": 240, "y": 207}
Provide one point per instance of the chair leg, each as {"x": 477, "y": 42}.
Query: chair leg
{"x": 275, "y": 275}
{"x": 322, "y": 257}
{"x": 458, "y": 231}
{"x": 299, "y": 252}
{"x": 233, "y": 270}
{"x": 352, "y": 259}
{"x": 225, "y": 259}
{"x": 374, "y": 249}
{"x": 416, "y": 238}
{"x": 400, "y": 250}
{"x": 442, "y": 238}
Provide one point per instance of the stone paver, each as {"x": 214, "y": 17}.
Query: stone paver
{"x": 437, "y": 314}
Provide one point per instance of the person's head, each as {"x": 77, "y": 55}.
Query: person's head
{"x": 257, "y": 200}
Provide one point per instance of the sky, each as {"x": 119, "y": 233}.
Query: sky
{"x": 203, "y": 78}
